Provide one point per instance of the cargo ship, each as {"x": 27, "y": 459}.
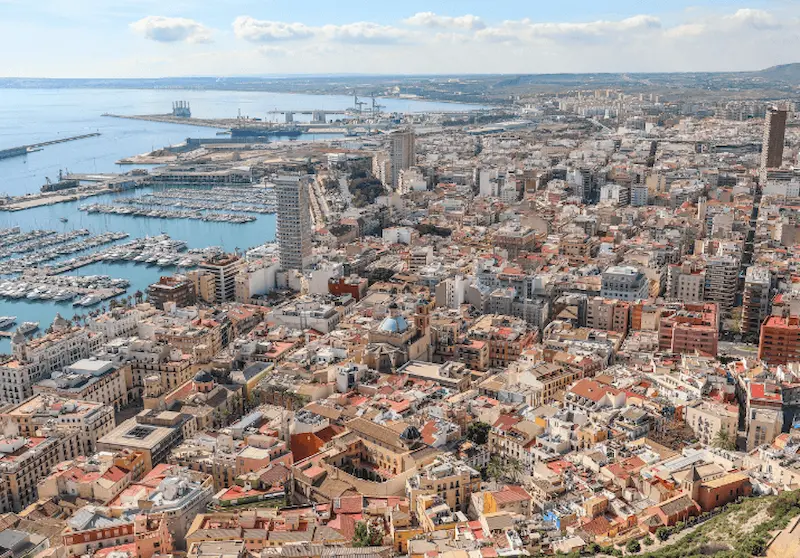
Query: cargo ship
{"x": 62, "y": 184}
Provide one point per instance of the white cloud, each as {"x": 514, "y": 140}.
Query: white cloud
{"x": 686, "y": 30}
{"x": 757, "y": 19}
{"x": 430, "y": 19}
{"x": 261, "y": 31}
{"x": 365, "y": 32}
{"x": 172, "y": 29}
{"x": 427, "y": 42}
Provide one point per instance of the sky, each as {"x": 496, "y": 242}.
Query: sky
{"x": 164, "y": 38}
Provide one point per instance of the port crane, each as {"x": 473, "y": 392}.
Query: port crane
{"x": 376, "y": 108}
{"x": 359, "y": 104}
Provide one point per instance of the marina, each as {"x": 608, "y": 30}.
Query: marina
{"x": 246, "y": 199}
{"x": 90, "y": 290}
{"x": 166, "y": 213}
{"x": 93, "y": 161}
{"x": 47, "y": 252}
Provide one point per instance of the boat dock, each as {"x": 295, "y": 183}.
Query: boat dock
{"x": 25, "y": 149}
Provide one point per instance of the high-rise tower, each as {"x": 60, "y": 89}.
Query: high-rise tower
{"x": 401, "y": 153}
{"x": 294, "y": 221}
{"x": 774, "y": 134}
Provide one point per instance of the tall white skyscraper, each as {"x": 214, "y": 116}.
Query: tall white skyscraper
{"x": 294, "y": 221}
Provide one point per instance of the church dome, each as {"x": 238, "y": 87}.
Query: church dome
{"x": 394, "y": 324}
{"x": 410, "y": 434}
{"x": 203, "y": 377}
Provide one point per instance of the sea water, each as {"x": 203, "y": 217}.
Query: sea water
{"x": 34, "y": 115}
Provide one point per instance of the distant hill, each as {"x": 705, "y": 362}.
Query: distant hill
{"x": 789, "y": 73}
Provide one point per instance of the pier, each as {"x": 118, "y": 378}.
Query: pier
{"x": 25, "y": 149}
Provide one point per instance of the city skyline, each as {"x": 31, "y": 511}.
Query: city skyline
{"x": 142, "y": 38}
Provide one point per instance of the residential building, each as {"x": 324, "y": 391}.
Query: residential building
{"x": 774, "y": 136}
{"x": 625, "y": 283}
{"x": 779, "y": 342}
{"x": 224, "y": 269}
{"x": 755, "y": 299}
{"x": 294, "y": 222}
{"x": 694, "y": 327}
{"x": 175, "y": 288}
{"x": 401, "y": 153}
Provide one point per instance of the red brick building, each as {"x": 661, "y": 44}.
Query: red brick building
{"x": 780, "y": 340}
{"x": 354, "y": 286}
{"x": 695, "y": 327}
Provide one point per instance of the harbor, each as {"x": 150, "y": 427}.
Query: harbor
{"x": 93, "y": 162}
{"x": 30, "y": 148}
{"x": 249, "y": 199}
{"x": 197, "y": 215}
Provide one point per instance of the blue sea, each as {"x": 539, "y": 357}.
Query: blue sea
{"x": 34, "y": 115}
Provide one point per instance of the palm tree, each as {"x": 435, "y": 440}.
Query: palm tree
{"x": 722, "y": 440}
{"x": 138, "y": 295}
{"x": 514, "y": 469}
{"x": 495, "y": 469}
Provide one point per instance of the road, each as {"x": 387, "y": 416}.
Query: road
{"x": 737, "y": 350}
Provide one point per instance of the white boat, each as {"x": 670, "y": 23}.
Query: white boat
{"x": 28, "y": 327}
{"x": 6, "y": 321}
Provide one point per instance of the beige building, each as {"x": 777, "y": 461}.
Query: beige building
{"x": 150, "y": 432}
{"x": 91, "y": 380}
{"x": 450, "y": 479}
{"x": 706, "y": 419}
{"x": 204, "y": 284}
{"x": 45, "y": 414}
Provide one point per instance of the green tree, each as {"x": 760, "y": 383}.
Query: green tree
{"x": 722, "y": 440}
{"x": 633, "y": 546}
{"x": 663, "y": 533}
{"x": 495, "y": 469}
{"x": 367, "y": 535}
{"x": 755, "y": 546}
{"x": 478, "y": 432}
{"x": 514, "y": 469}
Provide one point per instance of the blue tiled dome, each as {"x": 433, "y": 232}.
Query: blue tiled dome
{"x": 394, "y": 324}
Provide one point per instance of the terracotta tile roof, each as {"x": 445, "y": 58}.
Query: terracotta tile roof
{"x": 511, "y": 494}
{"x": 349, "y": 504}
{"x": 597, "y": 526}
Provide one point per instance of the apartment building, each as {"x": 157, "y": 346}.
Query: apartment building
{"x": 707, "y": 419}
{"x": 449, "y": 478}
{"x": 722, "y": 280}
{"x": 91, "y": 380}
{"x": 46, "y": 413}
{"x": 625, "y": 283}
{"x": 756, "y": 298}
{"x": 176, "y": 288}
{"x": 401, "y": 153}
{"x": 507, "y": 337}
{"x": 224, "y": 269}
{"x": 779, "y": 342}
{"x": 694, "y": 327}
{"x": 23, "y": 462}
{"x": 611, "y": 315}
{"x": 294, "y": 222}
{"x": 35, "y": 359}
{"x": 685, "y": 283}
